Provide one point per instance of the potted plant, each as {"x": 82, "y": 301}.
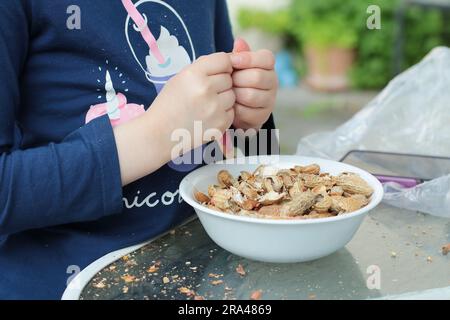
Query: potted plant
{"x": 328, "y": 33}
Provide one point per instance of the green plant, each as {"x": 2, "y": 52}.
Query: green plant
{"x": 325, "y": 24}
{"x": 276, "y": 22}
{"x": 375, "y": 48}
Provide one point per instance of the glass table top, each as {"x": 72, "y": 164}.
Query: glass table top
{"x": 394, "y": 252}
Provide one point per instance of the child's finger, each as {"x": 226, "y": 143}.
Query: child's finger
{"x": 221, "y": 82}
{"x": 227, "y": 99}
{"x": 253, "y": 98}
{"x": 255, "y": 78}
{"x": 230, "y": 117}
{"x": 246, "y": 117}
{"x": 240, "y": 45}
{"x": 215, "y": 63}
{"x": 263, "y": 59}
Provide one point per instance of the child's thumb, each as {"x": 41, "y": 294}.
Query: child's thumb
{"x": 240, "y": 45}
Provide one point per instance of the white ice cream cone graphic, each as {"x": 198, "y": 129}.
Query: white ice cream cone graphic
{"x": 166, "y": 56}
{"x": 176, "y": 58}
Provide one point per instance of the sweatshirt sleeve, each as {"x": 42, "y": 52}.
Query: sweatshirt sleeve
{"x": 77, "y": 179}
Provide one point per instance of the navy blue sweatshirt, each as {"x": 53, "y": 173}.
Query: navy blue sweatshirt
{"x": 70, "y": 71}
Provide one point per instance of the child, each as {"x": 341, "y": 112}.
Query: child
{"x": 85, "y": 147}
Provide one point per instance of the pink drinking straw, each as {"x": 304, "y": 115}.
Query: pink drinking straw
{"x": 143, "y": 29}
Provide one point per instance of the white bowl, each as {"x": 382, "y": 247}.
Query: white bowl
{"x": 272, "y": 240}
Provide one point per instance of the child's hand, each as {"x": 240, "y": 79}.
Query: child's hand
{"x": 255, "y": 85}
{"x": 201, "y": 92}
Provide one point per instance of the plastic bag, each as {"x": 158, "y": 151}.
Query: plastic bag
{"x": 411, "y": 115}
{"x": 431, "y": 197}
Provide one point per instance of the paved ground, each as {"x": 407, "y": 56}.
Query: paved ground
{"x": 300, "y": 112}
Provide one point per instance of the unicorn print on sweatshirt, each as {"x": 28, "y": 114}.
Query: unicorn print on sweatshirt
{"x": 116, "y": 106}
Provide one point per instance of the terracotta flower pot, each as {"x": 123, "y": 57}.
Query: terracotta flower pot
{"x": 328, "y": 68}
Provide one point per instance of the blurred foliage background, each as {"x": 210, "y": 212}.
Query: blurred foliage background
{"x": 342, "y": 24}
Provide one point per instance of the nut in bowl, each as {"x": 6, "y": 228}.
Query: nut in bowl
{"x": 281, "y": 208}
{"x": 300, "y": 192}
